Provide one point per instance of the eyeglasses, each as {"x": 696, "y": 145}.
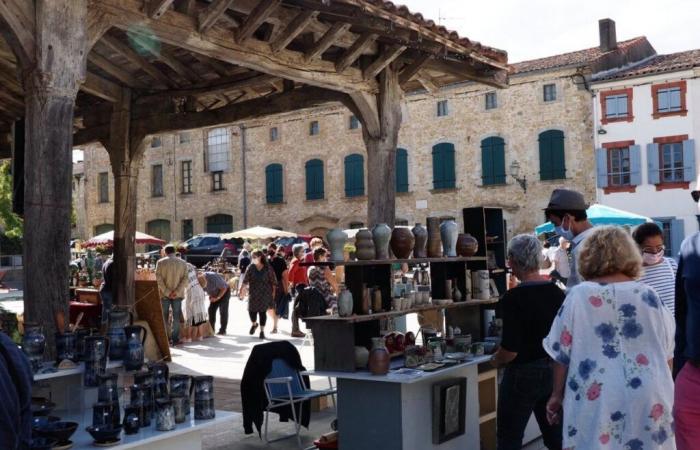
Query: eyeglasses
{"x": 654, "y": 250}
{"x": 695, "y": 195}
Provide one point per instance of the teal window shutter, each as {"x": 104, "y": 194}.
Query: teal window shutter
{"x": 401, "y": 170}
{"x": 689, "y": 160}
{"x": 653, "y": 164}
{"x": 493, "y": 161}
{"x": 443, "y": 166}
{"x": 314, "y": 179}
{"x": 601, "y": 161}
{"x": 354, "y": 175}
{"x": 273, "y": 183}
{"x": 677, "y": 236}
{"x": 552, "y": 159}
{"x": 635, "y": 165}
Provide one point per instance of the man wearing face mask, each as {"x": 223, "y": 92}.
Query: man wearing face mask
{"x": 567, "y": 212}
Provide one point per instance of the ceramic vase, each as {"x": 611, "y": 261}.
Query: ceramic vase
{"x": 80, "y": 335}
{"x": 366, "y": 300}
{"x": 381, "y": 235}
{"x": 132, "y": 419}
{"x": 135, "y": 340}
{"x": 345, "y": 303}
{"x": 379, "y": 357}
{"x": 377, "y": 300}
{"x": 118, "y": 319}
{"x": 336, "y": 239}
{"x": 65, "y": 347}
{"x": 364, "y": 246}
{"x": 361, "y": 357}
{"x": 105, "y": 414}
{"x": 181, "y": 386}
{"x": 107, "y": 389}
{"x": 467, "y": 245}
{"x": 165, "y": 415}
{"x": 33, "y": 345}
{"x": 434, "y": 245}
{"x": 448, "y": 235}
{"x": 420, "y": 234}
{"x": 402, "y": 242}
{"x": 180, "y": 404}
{"x": 204, "y": 397}
{"x": 160, "y": 373}
{"x": 456, "y": 293}
{"x": 96, "y": 351}
{"x": 142, "y": 397}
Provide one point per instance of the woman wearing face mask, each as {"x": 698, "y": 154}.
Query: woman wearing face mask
{"x": 658, "y": 271}
{"x": 260, "y": 283}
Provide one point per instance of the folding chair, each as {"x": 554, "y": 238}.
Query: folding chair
{"x": 284, "y": 386}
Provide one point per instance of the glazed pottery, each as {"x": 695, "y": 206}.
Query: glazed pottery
{"x": 481, "y": 285}
{"x": 402, "y": 242}
{"x": 165, "y": 415}
{"x": 160, "y": 373}
{"x": 204, "y": 397}
{"x": 96, "y": 350}
{"x": 345, "y": 303}
{"x": 377, "y": 300}
{"x": 104, "y": 434}
{"x": 468, "y": 293}
{"x": 41, "y": 406}
{"x": 142, "y": 398}
{"x": 60, "y": 431}
{"x": 107, "y": 389}
{"x": 80, "y": 335}
{"x": 38, "y": 421}
{"x": 378, "y": 357}
{"x": 135, "y": 340}
{"x": 366, "y": 301}
{"x": 33, "y": 345}
{"x": 456, "y": 293}
{"x": 132, "y": 419}
{"x": 420, "y": 235}
{"x": 105, "y": 414}
{"x": 118, "y": 319}
{"x": 448, "y": 289}
{"x": 434, "y": 245}
{"x": 65, "y": 347}
{"x": 467, "y": 245}
{"x": 42, "y": 443}
{"x": 336, "y": 239}
{"x": 364, "y": 246}
{"x": 361, "y": 357}
{"x": 448, "y": 235}
{"x": 180, "y": 404}
{"x": 182, "y": 386}
{"x": 381, "y": 235}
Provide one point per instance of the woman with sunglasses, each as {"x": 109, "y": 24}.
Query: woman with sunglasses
{"x": 658, "y": 271}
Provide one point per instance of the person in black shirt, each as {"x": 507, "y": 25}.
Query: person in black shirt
{"x": 528, "y": 311}
{"x": 279, "y": 265}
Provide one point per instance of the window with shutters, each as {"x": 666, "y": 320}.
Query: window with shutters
{"x": 218, "y": 150}
{"x": 616, "y": 106}
{"x": 493, "y": 161}
{"x": 187, "y": 229}
{"x": 314, "y": 128}
{"x": 314, "y": 179}
{"x": 220, "y": 223}
{"x": 549, "y": 92}
{"x": 186, "y": 173}
{"x": 491, "y": 100}
{"x": 217, "y": 181}
{"x": 354, "y": 123}
{"x": 444, "y": 166}
{"x": 273, "y": 134}
{"x": 354, "y": 175}
{"x": 274, "y": 192}
{"x": 671, "y": 162}
{"x": 401, "y": 170}
{"x": 619, "y": 166}
{"x": 442, "y": 108}
{"x": 669, "y": 99}
{"x": 157, "y": 180}
{"x": 552, "y": 155}
{"x": 103, "y": 187}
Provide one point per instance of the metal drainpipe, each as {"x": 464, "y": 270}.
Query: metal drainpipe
{"x": 243, "y": 169}
{"x": 174, "y": 161}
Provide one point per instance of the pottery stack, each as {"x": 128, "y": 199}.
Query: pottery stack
{"x": 364, "y": 246}
{"x": 434, "y": 245}
{"x": 420, "y": 234}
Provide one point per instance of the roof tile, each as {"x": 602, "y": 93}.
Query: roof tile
{"x": 659, "y": 64}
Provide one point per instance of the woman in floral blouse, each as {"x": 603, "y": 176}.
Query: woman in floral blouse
{"x": 613, "y": 342}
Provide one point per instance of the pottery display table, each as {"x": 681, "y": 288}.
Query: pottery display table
{"x": 392, "y": 412}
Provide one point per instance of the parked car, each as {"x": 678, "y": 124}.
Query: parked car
{"x": 203, "y": 248}
{"x": 287, "y": 243}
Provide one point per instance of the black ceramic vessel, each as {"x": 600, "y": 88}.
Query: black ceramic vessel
{"x": 160, "y": 373}
{"x": 182, "y": 386}
{"x": 132, "y": 419}
{"x": 105, "y": 433}
{"x": 108, "y": 390}
{"x": 65, "y": 347}
{"x": 105, "y": 414}
{"x": 60, "y": 431}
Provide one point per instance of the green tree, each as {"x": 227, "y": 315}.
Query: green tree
{"x": 11, "y": 222}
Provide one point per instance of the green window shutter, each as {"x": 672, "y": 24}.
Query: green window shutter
{"x": 443, "y": 166}
{"x": 354, "y": 175}
{"x": 552, "y": 156}
{"x": 314, "y": 179}
{"x": 493, "y": 162}
{"x": 273, "y": 183}
{"x": 401, "y": 170}
{"x": 437, "y": 168}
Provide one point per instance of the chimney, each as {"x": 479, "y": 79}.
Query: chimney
{"x": 608, "y": 39}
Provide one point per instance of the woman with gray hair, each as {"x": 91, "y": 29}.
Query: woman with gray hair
{"x": 528, "y": 311}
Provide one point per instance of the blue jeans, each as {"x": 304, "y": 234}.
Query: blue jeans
{"x": 524, "y": 390}
{"x": 175, "y": 304}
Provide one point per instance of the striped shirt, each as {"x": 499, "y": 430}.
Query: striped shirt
{"x": 662, "y": 278}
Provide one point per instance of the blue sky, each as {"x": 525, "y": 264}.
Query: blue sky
{"x": 530, "y": 29}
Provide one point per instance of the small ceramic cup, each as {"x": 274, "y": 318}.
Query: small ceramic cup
{"x": 180, "y": 407}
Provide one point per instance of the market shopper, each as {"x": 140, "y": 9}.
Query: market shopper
{"x": 612, "y": 342}
{"x": 171, "y": 275}
{"x": 298, "y": 280}
{"x": 195, "y": 303}
{"x": 260, "y": 284}
{"x": 658, "y": 271}
{"x": 219, "y": 295}
{"x": 567, "y": 212}
{"x": 281, "y": 304}
{"x": 106, "y": 292}
{"x": 528, "y": 312}
{"x": 16, "y": 395}
{"x": 561, "y": 270}
{"x": 321, "y": 278}
{"x": 315, "y": 243}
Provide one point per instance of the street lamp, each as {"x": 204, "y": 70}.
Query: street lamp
{"x": 515, "y": 173}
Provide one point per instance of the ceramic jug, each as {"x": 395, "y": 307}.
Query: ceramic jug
{"x": 105, "y": 413}
{"x": 420, "y": 234}
{"x": 132, "y": 419}
{"x": 434, "y": 245}
{"x": 467, "y": 245}
{"x": 402, "y": 242}
{"x": 80, "y": 335}
{"x": 160, "y": 373}
{"x": 96, "y": 351}
{"x": 33, "y": 345}
{"x": 65, "y": 347}
{"x": 381, "y": 235}
{"x": 135, "y": 340}
{"x": 379, "y": 357}
{"x": 107, "y": 389}
{"x": 448, "y": 235}
{"x": 165, "y": 415}
{"x": 336, "y": 239}
{"x": 364, "y": 246}
{"x": 204, "y": 397}
{"x": 180, "y": 405}
{"x": 345, "y": 303}
{"x": 142, "y": 397}
{"x": 118, "y": 319}
{"x": 182, "y": 386}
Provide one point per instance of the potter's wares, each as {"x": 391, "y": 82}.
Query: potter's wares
{"x": 448, "y": 235}
{"x": 345, "y": 303}
{"x": 165, "y": 415}
{"x": 182, "y": 386}
{"x": 135, "y": 340}
{"x": 378, "y": 357}
{"x": 381, "y": 235}
{"x": 336, "y": 240}
{"x": 33, "y": 345}
{"x": 434, "y": 245}
{"x": 420, "y": 234}
{"x": 364, "y": 246}
{"x": 402, "y": 242}
{"x": 467, "y": 245}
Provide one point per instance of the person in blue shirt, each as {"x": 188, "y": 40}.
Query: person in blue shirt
{"x": 16, "y": 395}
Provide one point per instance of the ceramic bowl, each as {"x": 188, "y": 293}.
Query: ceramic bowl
{"x": 42, "y": 406}
{"x": 42, "y": 443}
{"x": 104, "y": 433}
{"x": 60, "y": 431}
{"x": 38, "y": 421}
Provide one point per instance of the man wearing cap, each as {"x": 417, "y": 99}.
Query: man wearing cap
{"x": 567, "y": 212}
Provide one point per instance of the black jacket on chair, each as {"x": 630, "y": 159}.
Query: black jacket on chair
{"x": 311, "y": 303}
{"x": 253, "y": 384}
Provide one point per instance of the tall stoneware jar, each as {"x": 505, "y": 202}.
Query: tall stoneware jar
{"x": 467, "y": 245}
{"x": 345, "y": 303}
{"x": 379, "y": 357}
{"x": 34, "y": 345}
{"x": 434, "y": 246}
{"x": 448, "y": 234}
{"x": 402, "y": 242}
{"x": 381, "y": 234}
{"x": 364, "y": 245}
{"x": 420, "y": 235}
{"x": 336, "y": 240}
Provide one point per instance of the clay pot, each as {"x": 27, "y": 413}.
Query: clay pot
{"x": 361, "y": 356}
{"x": 364, "y": 246}
{"x": 379, "y": 357}
{"x": 467, "y": 245}
{"x": 434, "y": 245}
{"x": 366, "y": 301}
{"x": 381, "y": 234}
{"x": 448, "y": 234}
{"x": 402, "y": 242}
{"x": 420, "y": 235}
{"x": 377, "y": 301}
{"x": 336, "y": 240}
{"x": 345, "y": 304}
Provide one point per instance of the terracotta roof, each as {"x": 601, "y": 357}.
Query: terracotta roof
{"x": 404, "y": 12}
{"x": 659, "y": 64}
{"x": 577, "y": 58}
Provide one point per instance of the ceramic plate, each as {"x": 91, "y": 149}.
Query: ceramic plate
{"x": 457, "y": 356}
{"x": 430, "y": 367}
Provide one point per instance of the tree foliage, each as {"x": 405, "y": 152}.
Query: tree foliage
{"x": 11, "y": 222}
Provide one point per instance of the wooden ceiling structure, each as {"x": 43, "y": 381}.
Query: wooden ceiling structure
{"x": 117, "y": 71}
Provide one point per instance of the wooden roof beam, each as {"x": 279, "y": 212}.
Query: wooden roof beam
{"x": 426, "y": 81}
{"x": 354, "y": 52}
{"x": 256, "y": 18}
{"x": 293, "y": 29}
{"x": 156, "y": 8}
{"x": 496, "y": 78}
{"x": 10, "y": 102}
{"x": 386, "y": 58}
{"x": 134, "y": 58}
{"x": 102, "y": 88}
{"x": 169, "y": 59}
{"x": 19, "y": 15}
{"x": 412, "y": 69}
{"x": 117, "y": 72}
{"x": 212, "y": 13}
{"x": 215, "y": 88}
{"x": 220, "y": 68}
{"x": 328, "y": 38}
